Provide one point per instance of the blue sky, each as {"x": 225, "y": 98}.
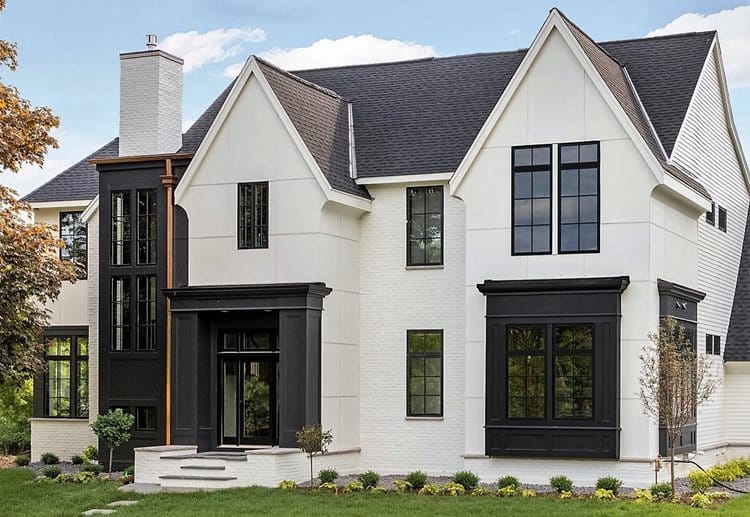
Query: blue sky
{"x": 68, "y": 50}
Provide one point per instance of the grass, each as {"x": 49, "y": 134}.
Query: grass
{"x": 21, "y": 496}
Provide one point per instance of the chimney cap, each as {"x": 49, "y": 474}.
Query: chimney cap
{"x": 151, "y": 41}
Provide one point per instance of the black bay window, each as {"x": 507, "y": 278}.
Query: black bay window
{"x": 66, "y": 379}
{"x": 120, "y": 232}
{"x": 532, "y": 200}
{"x": 424, "y": 367}
{"x": 73, "y": 233}
{"x": 146, "y": 213}
{"x": 424, "y": 216}
{"x": 146, "y": 311}
{"x": 120, "y": 307}
{"x": 579, "y": 198}
{"x": 252, "y": 217}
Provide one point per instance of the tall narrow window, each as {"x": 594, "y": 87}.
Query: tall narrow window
{"x": 723, "y": 219}
{"x": 424, "y": 213}
{"x": 579, "y": 198}
{"x": 58, "y": 379}
{"x": 424, "y": 367}
{"x": 147, "y": 227}
{"x": 74, "y": 237}
{"x": 120, "y": 313}
{"x": 252, "y": 219}
{"x": 573, "y": 350}
{"x": 82, "y": 377}
{"x": 120, "y": 238}
{"x": 532, "y": 200}
{"x": 146, "y": 312}
{"x": 526, "y": 371}
{"x": 711, "y": 215}
{"x": 145, "y": 418}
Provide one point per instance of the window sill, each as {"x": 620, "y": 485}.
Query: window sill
{"x": 425, "y": 418}
{"x": 436, "y": 266}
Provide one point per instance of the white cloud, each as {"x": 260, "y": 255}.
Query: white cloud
{"x": 734, "y": 36}
{"x": 31, "y": 177}
{"x": 349, "y": 50}
{"x": 202, "y": 48}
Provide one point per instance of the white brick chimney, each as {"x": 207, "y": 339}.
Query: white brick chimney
{"x": 150, "y": 101}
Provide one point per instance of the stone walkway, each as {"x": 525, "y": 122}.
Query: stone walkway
{"x": 112, "y": 508}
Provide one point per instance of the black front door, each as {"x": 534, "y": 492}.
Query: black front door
{"x": 248, "y": 377}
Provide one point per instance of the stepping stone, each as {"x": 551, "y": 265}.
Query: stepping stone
{"x": 122, "y": 503}
{"x": 98, "y": 511}
{"x": 141, "y": 488}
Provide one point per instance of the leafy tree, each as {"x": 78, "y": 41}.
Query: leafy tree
{"x": 113, "y": 428}
{"x": 31, "y": 273}
{"x": 674, "y": 381}
{"x": 312, "y": 439}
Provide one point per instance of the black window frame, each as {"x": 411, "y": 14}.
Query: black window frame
{"x": 556, "y": 352}
{"x": 425, "y": 355}
{"x": 711, "y": 215}
{"x": 579, "y": 165}
{"x": 141, "y": 413}
{"x": 66, "y": 253}
{"x": 410, "y": 261}
{"x": 124, "y": 219}
{"x": 75, "y": 360}
{"x": 713, "y": 344}
{"x": 127, "y": 303}
{"x": 518, "y": 169}
{"x": 146, "y": 227}
{"x": 146, "y": 331}
{"x": 250, "y": 225}
{"x": 722, "y": 223}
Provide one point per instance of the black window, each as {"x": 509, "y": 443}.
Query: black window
{"x": 424, "y": 220}
{"x": 579, "y": 198}
{"x": 74, "y": 237}
{"x": 722, "y": 219}
{"x": 526, "y": 371}
{"x": 120, "y": 313}
{"x": 713, "y": 344}
{"x": 66, "y": 380}
{"x": 146, "y": 226}
{"x": 252, "y": 217}
{"x": 573, "y": 349}
{"x": 711, "y": 215}
{"x": 424, "y": 372}
{"x": 120, "y": 220}
{"x": 145, "y": 419}
{"x": 717, "y": 345}
{"x": 146, "y": 312}
{"x": 532, "y": 200}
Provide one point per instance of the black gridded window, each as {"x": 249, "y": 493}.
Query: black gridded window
{"x": 424, "y": 372}
{"x": 526, "y": 346}
{"x": 66, "y": 380}
{"x": 711, "y": 215}
{"x": 74, "y": 236}
{"x": 424, "y": 230}
{"x": 717, "y": 345}
{"x": 574, "y": 372}
{"x": 713, "y": 344}
{"x": 146, "y": 226}
{"x": 120, "y": 313}
{"x": 145, "y": 419}
{"x": 579, "y": 198}
{"x": 722, "y": 219}
{"x": 120, "y": 237}
{"x": 532, "y": 200}
{"x": 252, "y": 217}
{"x": 146, "y": 312}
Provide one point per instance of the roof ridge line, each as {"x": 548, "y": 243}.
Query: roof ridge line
{"x": 571, "y": 22}
{"x": 661, "y": 36}
{"x": 302, "y": 81}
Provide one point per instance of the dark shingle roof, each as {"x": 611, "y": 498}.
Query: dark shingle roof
{"x": 737, "y": 346}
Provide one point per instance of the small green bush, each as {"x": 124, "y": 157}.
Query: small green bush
{"x": 286, "y": 484}
{"x": 51, "y": 472}
{"x": 93, "y": 467}
{"x": 330, "y": 487}
{"x": 661, "y": 490}
{"x": 507, "y": 491}
{"x": 90, "y": 453}
{"x": 417, "y": 479}
{"x": 744, "y": 464}
{"x": 722, "y": 473}
{"x": 506, "y": 481}
{"x": 22, "y": 461}
{"x": 84, "y": 477}
{"x": 480, "y": 490}
{"x": 50, "y": 459}
{"x": 77, "y": 459}
{"x": 561, "y": 484}
{"x": 528, "y": 493}
{"x": 402, "y": 486}
{"x": 609, "y": 483}
{"x": 699, "y": 481}
{"x": 328, "y": 475}
{"x": 453, "y": 488}
{"x": 700, "y": 500}
{"x": 355, "y": 486}
{"x": 466, "y": 479}
{"x": 430, "y": 489}
{"x": 645, "y": 496}
{"x": 603, "y": 493}
{"x": 369, "y": 479}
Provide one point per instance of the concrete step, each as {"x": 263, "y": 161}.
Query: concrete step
{"x": 204, "y": 456}
{"x": 203, "y": 467}
{"x": 198, "y": 478}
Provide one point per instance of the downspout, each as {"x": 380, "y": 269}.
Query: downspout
{"x": 169, "y": 181}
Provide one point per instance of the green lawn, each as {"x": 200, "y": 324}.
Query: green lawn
{"x": 19, "y": 496}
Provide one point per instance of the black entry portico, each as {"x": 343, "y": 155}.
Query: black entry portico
{"x": 245, "y": 363}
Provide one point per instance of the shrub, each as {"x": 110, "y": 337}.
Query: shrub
{"x": 328, "y": 475}
{"x": 22, "y": 461}
{"x": 14, "y": 436}
{"x": 113, "y": 428}
{"x": 507, "y": 491}
{"x": 722, "y": 473}
{"x": 609, "y": 483}
{"x": 699, "y": 500}
{"x": 50, "y": 459}
{"x": 430, "y": 489}
{"x": 506, "y": 481}
{"x": 312, "y": 440}
{"x": 92, "y": 467}
{"x": 328, "y": 486}
{"x": 717, "y": 494}
{"x": 90, "y": 453}
{"x": 453, "y": 488}
{"x": 480, "y": 490}
{"x": 699, "y": 481}
{"x": 77, "y": 459}
{"x": 661, "y": 490}
{"x": 51, "y": 472}
{"x": 417, "y": 479}
{"x": 354, "y": 486}
{"x": 84, "y": 477}
{"x": 744, "y": 464}
{"x": 565, "y": 494}
{"x": 285, "y": 484}
{"x": 129, "y": 471}
{"x": 378, "y": 490}
{"x": 466, "y": 479}
{"x": 647, "y": 496}
{"x": 528, "y": 493}
{"x": 369, "y": 479}
{"x": 603, "y": 493}
{"x": 561, "y": 484}
{"x": 62, "y": 478}
{"x": 402, "y": 486}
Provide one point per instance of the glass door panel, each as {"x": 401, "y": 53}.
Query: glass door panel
{"x": 258, "y": 389}
{"x": 230, "y": 385}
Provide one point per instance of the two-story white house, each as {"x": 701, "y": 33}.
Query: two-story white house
{"x": 452, "y": 263}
